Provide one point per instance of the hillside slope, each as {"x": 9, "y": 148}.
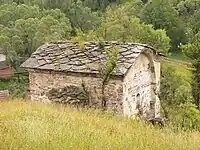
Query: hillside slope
{"x": 26, "y": 125}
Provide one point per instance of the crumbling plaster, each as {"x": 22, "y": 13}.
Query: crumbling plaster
{"x": 140, "y": 87}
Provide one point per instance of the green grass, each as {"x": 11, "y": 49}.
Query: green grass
{"x": 28, "y": 126}
{"x": 179, "y": 56}
{"x": 183, "y": 70}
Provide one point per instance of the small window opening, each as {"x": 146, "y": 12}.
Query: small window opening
{"x": 152, "y": 104}
{"x": 152, "y": 69}
{"x": 149, "y": 66}
{"x": 138, "y": 101}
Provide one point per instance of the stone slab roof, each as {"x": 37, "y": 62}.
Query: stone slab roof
{"x": 69, "y": 57}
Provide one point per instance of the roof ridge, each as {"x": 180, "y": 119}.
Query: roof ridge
{"x": 97, "y": 42}
{"x": 110, "y": 42}
{"x": 76, "y": 59}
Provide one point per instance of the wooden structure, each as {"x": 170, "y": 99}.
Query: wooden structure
{"x": 6, "y": 72}
{"x": 4, "y": 94}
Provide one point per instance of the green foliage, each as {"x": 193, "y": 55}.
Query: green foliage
{"x": 77, "y": 11}
{"x": 175, "y": 89}
{"x": 82, "y": 17}
{"x": 97, "y": 4}
{"x": 28, "y": 28}
{"x": 188, "y": 117}
{"x": 9, "y": 13}
{"x": 132, "y": 7}
{"x": 188, "y": 7}
{"x": 107, "y": 69}
{"x": 176, "y": 98}
{"x": 162, "y": 15}
{"x": 192, "y": 50}
{"x": 178, "y": 17}
{"x": 196, "y": 22}
{"x": 117, "y": 24}
{"x": 79, "y": 38}
{"x": 17, "y": 85}
{"x": 180, "y": 56}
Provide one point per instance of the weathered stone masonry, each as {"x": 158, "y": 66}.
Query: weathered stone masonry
{"x": 132, "y": 89}
{"x": 43, "y": 81}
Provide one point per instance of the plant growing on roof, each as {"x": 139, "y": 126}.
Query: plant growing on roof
{"x": 79, "y": 38}
{"x": 107, "y": 69}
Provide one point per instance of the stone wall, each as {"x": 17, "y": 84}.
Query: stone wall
{"x": 157, "y": 104}
{"x": 136, "y": 92}
{"x": 41, "y": 82}
{"x": 138, "y": 88}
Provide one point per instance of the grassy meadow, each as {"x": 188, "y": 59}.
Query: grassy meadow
{"x": 34, "y": 126}
{"x": 182, "y": 70}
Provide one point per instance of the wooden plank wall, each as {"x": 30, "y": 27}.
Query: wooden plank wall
{"x": 6, "y": 73}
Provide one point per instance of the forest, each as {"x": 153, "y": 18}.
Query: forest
{"x": 172, "y": 27}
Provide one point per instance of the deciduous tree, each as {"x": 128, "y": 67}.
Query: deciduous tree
{"x": 192, "y": 50}
{"x": 162, "y": 15}
{"x": 119, "y": 25}
{"x": 27, "y": 30}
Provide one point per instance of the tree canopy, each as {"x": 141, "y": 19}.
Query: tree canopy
{"x": 162, "y": 15}
{"x": 165, "y": 25}
{"x": 24, "y": 28}
{"x": 119, "y": 24}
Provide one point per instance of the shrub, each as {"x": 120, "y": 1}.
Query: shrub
{"x": 186, "y": 117}
{"x": 177, "y": 101}
{"x": 17, "y": 85}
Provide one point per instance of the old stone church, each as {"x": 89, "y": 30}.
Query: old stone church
{"x": 66, "y": 72}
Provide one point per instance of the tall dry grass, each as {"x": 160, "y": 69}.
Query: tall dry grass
{"x": 28, "y": 126}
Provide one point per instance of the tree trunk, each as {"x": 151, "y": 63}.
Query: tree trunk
{"x": 103, "y": 102}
